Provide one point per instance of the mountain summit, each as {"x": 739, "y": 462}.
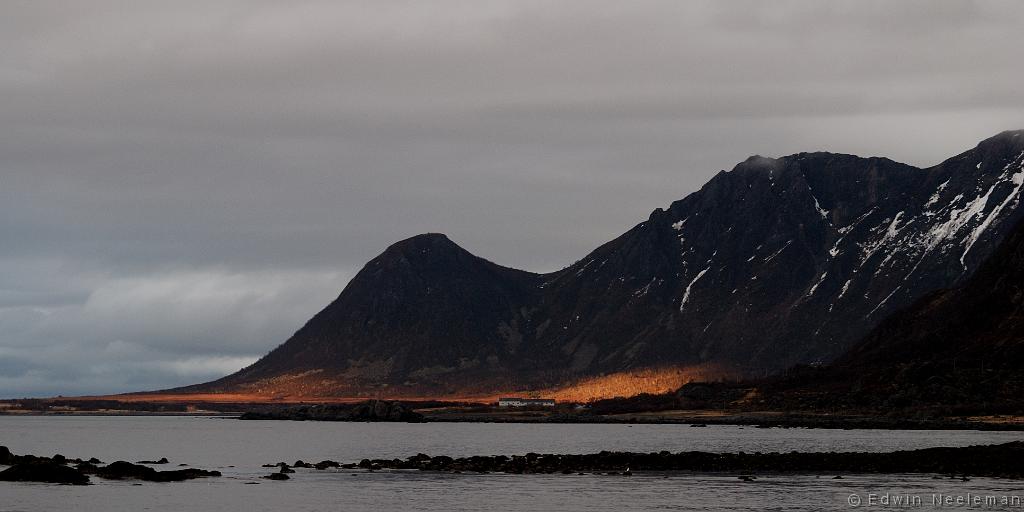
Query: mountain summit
{"x": 777, "y": 262}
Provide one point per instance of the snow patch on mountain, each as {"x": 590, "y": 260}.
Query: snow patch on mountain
{"x": 776, "y": 253}
{"x": 1014, "y": 195}
{"x": 686, "y": 293}
{"x": 938, "y": 192}
{"x": 891, "y": 231}
{"x": 817, "y": 284}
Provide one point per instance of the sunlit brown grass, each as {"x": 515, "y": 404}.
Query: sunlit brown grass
{"x": 631, "y": 383}
{"x": 311, "y": 387}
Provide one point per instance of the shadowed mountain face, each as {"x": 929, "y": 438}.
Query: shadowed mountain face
{"x": 778, "y": 262}
{"x": 957, "y": 347}
{"x": 423, "y": 308}
{"x": 980, "y": 324}
{"x": 961, "y": 350}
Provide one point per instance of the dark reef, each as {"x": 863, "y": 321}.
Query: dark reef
{"x": 1004, "y": 460}
{"x": 60, "y": 469}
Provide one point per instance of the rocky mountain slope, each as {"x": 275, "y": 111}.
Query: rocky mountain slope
{"x": 777, "y": 262}
{"x": 958, "y": 351}
{"x": 961, "y": 348}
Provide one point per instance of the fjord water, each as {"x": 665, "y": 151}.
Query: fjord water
{"x": 238, "y": 448}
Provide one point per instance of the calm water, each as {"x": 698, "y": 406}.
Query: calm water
{"x": 238, "y": 449}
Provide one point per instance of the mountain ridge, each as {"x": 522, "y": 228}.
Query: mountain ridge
{"x": 779, "y": 261}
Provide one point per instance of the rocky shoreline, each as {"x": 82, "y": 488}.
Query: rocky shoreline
{"x": 697, "y": 409}
{"x": 62, "y": 470}
{"x": 738, "y": 419}
{"x": 1003, "y": 460}
{"x": 397, "y": 411}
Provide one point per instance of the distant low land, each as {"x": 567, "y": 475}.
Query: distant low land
{"x": 670, "y": 408}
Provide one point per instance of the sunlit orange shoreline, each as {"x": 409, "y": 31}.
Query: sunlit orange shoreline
{"x": 617, "y": 385}
{"x": 253, "y": 398}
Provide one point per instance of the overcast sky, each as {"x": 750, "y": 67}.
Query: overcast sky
{"x": 183, "y": 184}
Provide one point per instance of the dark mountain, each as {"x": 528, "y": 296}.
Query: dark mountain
{"x": 778, "y": 262}
{"x": 424, "y": 307}
{"x": 961, "y": 350}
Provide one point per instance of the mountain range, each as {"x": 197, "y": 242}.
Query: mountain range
{"x": 778, "y": 262}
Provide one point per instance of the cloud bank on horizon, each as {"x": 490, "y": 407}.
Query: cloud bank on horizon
{"x": 185, "y": 183}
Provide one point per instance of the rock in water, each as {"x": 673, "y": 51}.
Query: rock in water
{"x": 122, "y": 470}
{"x": 46, "y": 471}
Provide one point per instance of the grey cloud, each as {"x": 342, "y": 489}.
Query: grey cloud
{"x": 154, "y": 331}
{"x": 194, "y": 179}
